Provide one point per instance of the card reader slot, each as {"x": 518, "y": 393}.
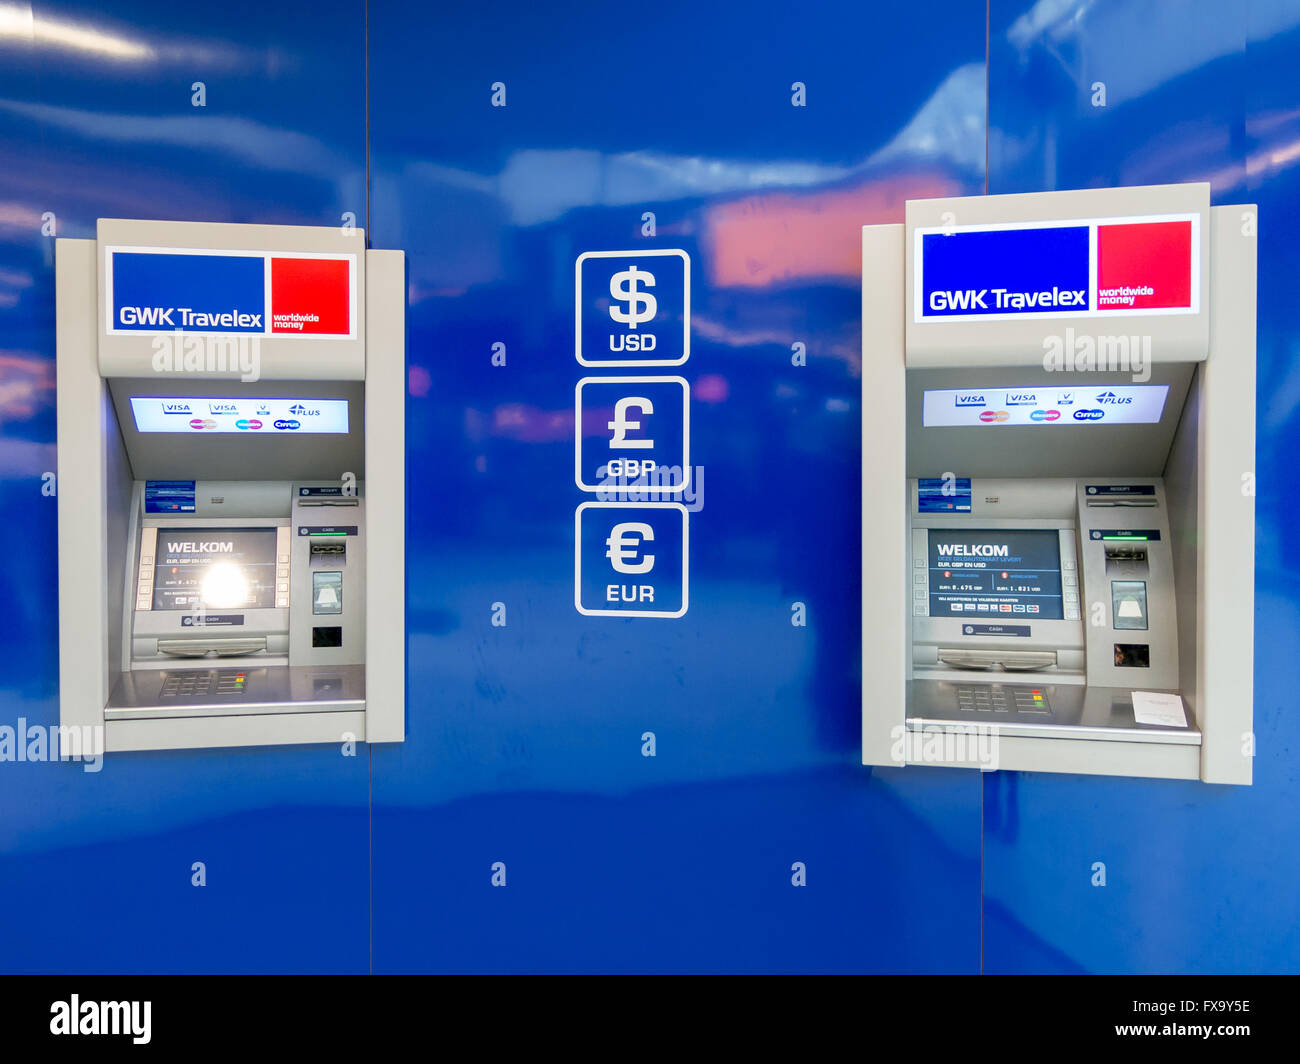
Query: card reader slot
{"x": 222, "y": 648}
{"x": 1139, "y": 501}
{"x": 328, "y": 549}
{"x": 1008, "y": 660}
{"x": 1125, "y": 552}
{"x": 336, "y": 501}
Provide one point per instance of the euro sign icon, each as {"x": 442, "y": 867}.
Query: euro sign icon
{"x": 641, "y": 306}
{"x": 620, "y": 548}
{"x": 621, "y": 425}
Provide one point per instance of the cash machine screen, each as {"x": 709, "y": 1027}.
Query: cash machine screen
{"x": 214, "y": 568}
{"x": 1014, "y": 574}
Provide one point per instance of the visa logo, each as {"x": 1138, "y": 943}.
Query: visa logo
{"x": 176, "y": 408}
{"x": 1111, "y": 399}
{"x": 970, "y": 400}
{"x": 1022, "y": 399}
{"x": 222, "y": 408}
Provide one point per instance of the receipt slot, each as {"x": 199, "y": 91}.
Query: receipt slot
{"x": 231, "y": 485}
{"x": 1058, "y": 441}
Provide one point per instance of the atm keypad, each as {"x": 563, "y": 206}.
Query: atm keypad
{"x": 195, "y": 683}
{"x": 1002, "y": 698}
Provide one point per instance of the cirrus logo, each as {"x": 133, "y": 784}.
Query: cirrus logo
{"x": 202, "y": 423}
{"x": 288, "y": 423}
{"x": 1089, "y": 415}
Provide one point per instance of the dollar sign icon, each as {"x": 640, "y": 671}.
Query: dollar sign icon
{"x": 623, "y": 286}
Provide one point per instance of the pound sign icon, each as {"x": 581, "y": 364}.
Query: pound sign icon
{"x": 620, "y": 548}
{"x": 623, "y": 286}
{"x": 621, "y": 426}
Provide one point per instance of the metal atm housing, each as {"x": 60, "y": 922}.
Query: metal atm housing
{"x": 1057, "y": 491}
{"x": 231, "y": 485}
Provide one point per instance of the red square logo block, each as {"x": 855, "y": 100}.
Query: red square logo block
{"x": 311, "y": 296}
{"x": 1144, "y": 265}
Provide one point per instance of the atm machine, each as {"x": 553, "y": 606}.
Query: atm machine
{"x": 231, "y": 485}
{"x": 1058, "y": 484}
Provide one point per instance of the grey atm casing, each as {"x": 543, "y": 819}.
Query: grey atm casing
{"x": 1197, "y": 460}
{"x": 278, "y": 680}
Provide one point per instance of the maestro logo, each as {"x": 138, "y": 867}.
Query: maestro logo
{"x": 248, "y": 423}
{"x": 991, "y": 416}
{"x": 1044, "y": 415}
{"x": 1089, "y": 415}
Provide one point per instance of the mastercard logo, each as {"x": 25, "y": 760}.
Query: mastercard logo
{"x": 202, "y": 423}
{"x": 994, "y": 415}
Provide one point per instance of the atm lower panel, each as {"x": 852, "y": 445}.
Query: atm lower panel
{"x": 1039, "y": 710}
{"x": 217, "y": 691}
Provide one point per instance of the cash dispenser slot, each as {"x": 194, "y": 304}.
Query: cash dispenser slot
{"x": 221, "y": 648}
{"x": 1008, "y": 660}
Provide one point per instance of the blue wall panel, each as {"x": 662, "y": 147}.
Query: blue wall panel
{"x": 1199, "y": 879}
{"x": 96, "y": 120}
{"x": 524, "y": 742}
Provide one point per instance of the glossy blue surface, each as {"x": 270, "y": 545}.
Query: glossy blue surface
{"x": 524, "y": 741}
{"x": 1199, "y": 878}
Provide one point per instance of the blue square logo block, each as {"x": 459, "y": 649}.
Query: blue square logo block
{"x": 631, "y": 559}
{"x": 633, "y": 308}
{"x": 632, "y": 431}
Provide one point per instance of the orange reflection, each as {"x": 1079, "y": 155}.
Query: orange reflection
{"x": 774, "y": 238}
